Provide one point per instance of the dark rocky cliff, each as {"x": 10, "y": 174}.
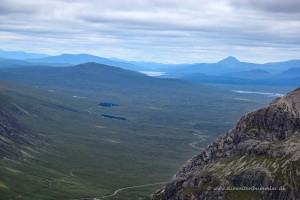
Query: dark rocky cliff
{"x": 14, "y": 135}
{"x": 257, "y": 159}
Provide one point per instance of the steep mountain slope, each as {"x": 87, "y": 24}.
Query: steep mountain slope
{"x": 14, "y": 134}
{"x": 257, "y": 159}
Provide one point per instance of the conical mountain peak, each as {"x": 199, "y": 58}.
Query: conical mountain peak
{"x": 229, "y": 60}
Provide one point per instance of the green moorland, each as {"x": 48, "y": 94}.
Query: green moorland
{"x": 88, "y": 155}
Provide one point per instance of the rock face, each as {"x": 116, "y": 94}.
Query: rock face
{"x": 257, "y": 159}
{"x": 14, "y": 135}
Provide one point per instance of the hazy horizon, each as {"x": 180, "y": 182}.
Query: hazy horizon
{"x": 138, "y": 61}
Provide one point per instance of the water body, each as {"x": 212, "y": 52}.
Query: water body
{"x": 268, "y": 94}
{"x": 105, "y": 104}
{"x": 79, "y": 97}
{"x": 113, "y": 117}
{"x": 153, "y": 73}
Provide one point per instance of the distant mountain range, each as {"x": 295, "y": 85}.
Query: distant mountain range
{"x": 76, "y": 59}
{"x": 255, "y": 74}
{"x": 90, "y": 76}
{"x": 227, "y": 71}
{"x": 20, "y": 55}
{"x": 291, "y": 72}
{"x": 11, "y": 59}
{"x": 289, "y": 77}
{"x": 9, "y": 62}
{"x": 230, "y": 65}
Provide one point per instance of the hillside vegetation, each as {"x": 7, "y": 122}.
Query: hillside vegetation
{"x": 89, "y": 155}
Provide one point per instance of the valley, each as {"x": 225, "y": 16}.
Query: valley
{"x": 87, "y": 155}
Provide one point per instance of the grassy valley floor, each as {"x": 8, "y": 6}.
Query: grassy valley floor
{"x": 88, "y": 155}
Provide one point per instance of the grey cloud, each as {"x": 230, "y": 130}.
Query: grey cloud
{"x": 135, "y": 26}
{"x": 9, "y": 7}
{"x": 281, "y": 6}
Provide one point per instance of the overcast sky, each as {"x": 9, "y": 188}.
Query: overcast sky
{"x": 169, "y": 31}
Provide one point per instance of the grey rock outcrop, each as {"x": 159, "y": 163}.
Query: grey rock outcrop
{"x": 257, "y": 159}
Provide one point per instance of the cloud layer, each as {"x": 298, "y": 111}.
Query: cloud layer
{"x": 169, "y": 31}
